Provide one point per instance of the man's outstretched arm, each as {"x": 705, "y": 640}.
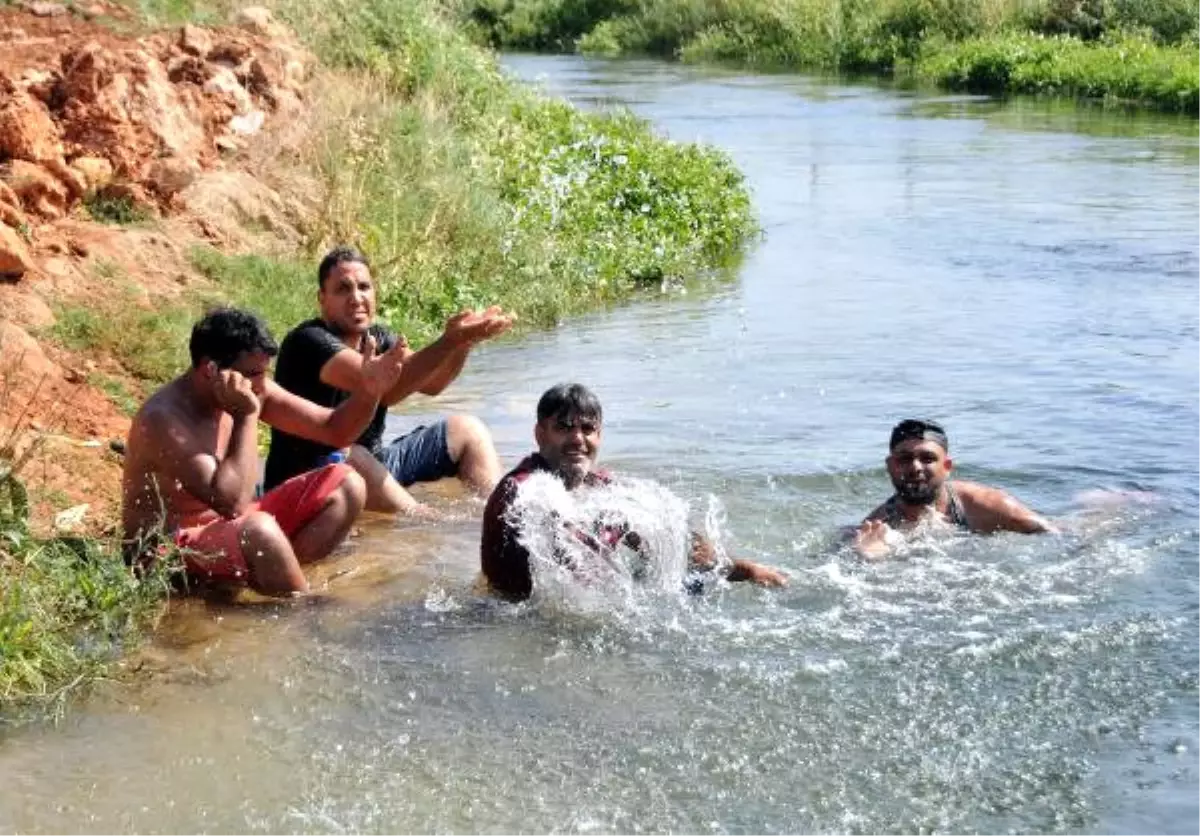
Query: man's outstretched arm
{"x": 991, "y": 509}
{"x": 429, "y": 370}
{"x": 341, "y": 426}
{"x": 704, "y": 556}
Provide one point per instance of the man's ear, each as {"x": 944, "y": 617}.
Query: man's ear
{"x": 539, "y": 434}
{"x": 949, "y": 464}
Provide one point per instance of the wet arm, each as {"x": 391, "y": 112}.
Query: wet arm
{"x": 446, "y": 372}
{"x": 704, "y": 557}
{"x": 994, "y": 510}
{"x": 225, "y": 485}
{"x": 420, "y": 372}
{"x": 339, "y": 427}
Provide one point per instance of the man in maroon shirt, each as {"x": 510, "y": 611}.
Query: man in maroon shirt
{"x": 568, "y": 429}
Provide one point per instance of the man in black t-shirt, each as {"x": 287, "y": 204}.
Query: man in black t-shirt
{"x": 319, "y": 360}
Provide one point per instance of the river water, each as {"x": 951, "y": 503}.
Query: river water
{"x": 1025, "y": 272}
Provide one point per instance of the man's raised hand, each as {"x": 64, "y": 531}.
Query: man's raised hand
{"x": 469, "y": 327}
{"x": 235, "y": 394}
{"x": 380, "y": 372}
{"x": 872, "y": 541}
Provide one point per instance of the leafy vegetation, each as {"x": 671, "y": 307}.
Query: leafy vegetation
{"x": 467, "y": 188}
{"x": 1129, "y": 50}
{"x": 69, "y": 606}
{"x": 463, "y": 186}
{"x": 115, "y": 210}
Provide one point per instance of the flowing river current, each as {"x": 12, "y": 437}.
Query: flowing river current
{"x": 1025, "y": 272}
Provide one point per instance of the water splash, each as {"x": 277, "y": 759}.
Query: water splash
{"x": 582, "y": 556}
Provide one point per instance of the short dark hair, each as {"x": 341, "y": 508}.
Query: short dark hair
{"x": 339, "y": 255}
{"x": 919, "y": 428}
{"x": 224, "y": 333}
{"x": 569, "y": 399}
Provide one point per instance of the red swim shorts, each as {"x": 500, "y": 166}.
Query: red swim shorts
{"x": 213, "y": 547}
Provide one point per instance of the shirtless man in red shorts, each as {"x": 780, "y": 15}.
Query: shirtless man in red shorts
{"x": 191, "y": 462}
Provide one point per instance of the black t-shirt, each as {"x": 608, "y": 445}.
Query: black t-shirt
{"x": 304, "y": 352}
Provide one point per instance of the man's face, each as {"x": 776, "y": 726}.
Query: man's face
{"x": 252, "y": 365}
{"x": 347, "y": 298}
{"x": 570, "y": 444}
{"x": 918, "y": 469}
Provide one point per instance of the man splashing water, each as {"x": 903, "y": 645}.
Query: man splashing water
{"x": 585, "y": 525}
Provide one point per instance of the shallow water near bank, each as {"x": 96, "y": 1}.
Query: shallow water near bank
{"x": 1023, "y": 271}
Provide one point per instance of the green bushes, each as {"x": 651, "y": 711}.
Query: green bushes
{"x": 1127, "y": 69}
{"x": 1130, "y": 50}
{"x": 467, "y": 188}
{"x": 464, "y": 187}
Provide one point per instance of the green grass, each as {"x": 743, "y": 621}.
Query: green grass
{"x": 151, "y": 344}
{"x": 467, "y": 188}
{"x": 1139, "y": 51}
{"x": 117, "y": 392}
{"x": 464, "y": 187}
{"x": 69, "y": 607}
{"x": 115, "y": 210}
{"x": 1125, "y": 68}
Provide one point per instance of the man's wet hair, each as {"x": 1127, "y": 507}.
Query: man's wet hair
{"x": 569, "y": 399}
{"x": 224, "y": 333}
{"x": 918, "y": 428}
{"x": 339, "y": 255}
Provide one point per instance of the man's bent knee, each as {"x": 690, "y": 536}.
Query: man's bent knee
{"x": 274, "y": 569}
{"x": 353, "y": 494}
{"x": 262, "y": 530}
{"x": 465, "y": 431}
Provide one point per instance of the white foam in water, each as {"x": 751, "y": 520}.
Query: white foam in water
{"x": 554, "y": 524}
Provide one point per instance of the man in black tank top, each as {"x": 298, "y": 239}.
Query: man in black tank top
{"x": 919, "y": 465}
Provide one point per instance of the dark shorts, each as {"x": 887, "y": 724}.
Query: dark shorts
{"x": 419, "y": 456}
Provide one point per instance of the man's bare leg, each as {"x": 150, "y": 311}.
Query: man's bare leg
{"x": 270, "y": 559}
{"x": 471, "y": 448}
{"x": 384, "y": 493}
{"x": 322, "y": 534}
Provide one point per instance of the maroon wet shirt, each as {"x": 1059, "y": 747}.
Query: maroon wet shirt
{"x": 505, "y": 560}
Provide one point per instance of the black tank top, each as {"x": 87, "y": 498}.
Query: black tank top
{"x": 954, "y": 511}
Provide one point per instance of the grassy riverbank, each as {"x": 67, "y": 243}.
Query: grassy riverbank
{"x": 464, "y": 187}
{"x": 1129, "y": 51}
{"x": 69, "y": 605}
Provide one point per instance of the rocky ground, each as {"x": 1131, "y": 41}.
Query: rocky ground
{"x": 171, "y": 127}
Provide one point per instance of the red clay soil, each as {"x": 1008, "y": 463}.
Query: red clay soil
{"x": 88, "y": 113}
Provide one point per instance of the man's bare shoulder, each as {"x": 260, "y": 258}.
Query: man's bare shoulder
{"x": 976, "y": 493}
{"x": 994, "y": 509}
{"x": 162, "y": 403}
{"x": 163, "y": 412}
